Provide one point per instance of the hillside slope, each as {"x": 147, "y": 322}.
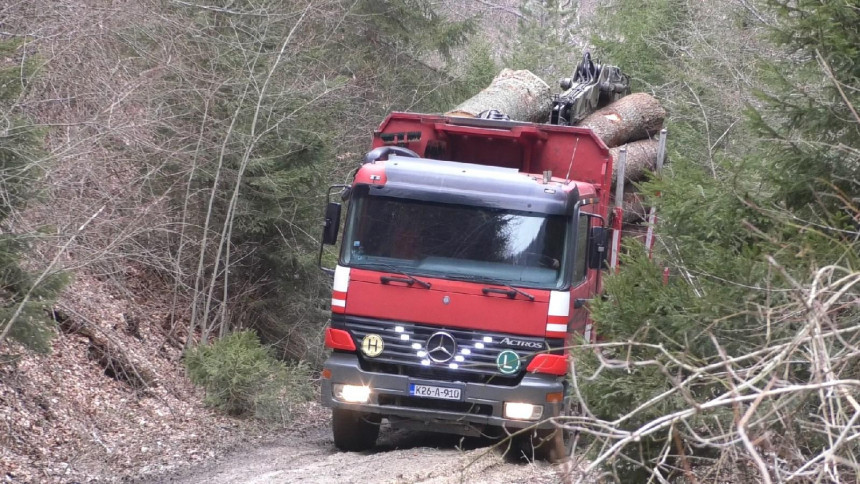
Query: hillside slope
{"x": 69, "y": 418}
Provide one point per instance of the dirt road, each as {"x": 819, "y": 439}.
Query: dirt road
{"x": 400, "y": 457}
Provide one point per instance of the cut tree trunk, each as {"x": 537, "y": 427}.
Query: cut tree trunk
{"x": 638, "y": 231}
{"x": 520, "y": 94}
{"x": 641, "y": 158}
{"x": 631, "y": 118}
{"x": 635, "y": 210}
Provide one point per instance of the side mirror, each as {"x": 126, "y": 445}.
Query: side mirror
{"x": 597, "y": 248}
{"x": 331, "y": 225}
{"x": 345, "y": 193}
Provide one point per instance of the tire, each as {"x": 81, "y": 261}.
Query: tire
{"x": 354, "y": 431}
{"x": 554, "y": 445}
{"x": 551, "y": 445}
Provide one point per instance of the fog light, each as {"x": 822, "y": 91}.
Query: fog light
{"x": 523, "y": 411}
{"x": 351, "y": 393}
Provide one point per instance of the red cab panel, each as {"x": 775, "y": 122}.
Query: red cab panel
{"x": 447, "y": 303}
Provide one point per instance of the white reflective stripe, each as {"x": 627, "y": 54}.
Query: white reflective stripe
{"x": 559, "y": 303}
{"x": 649, "y": 236}
{"x": 588, "y": 333}
{"x": 556, "y": 328}
{"x": 341, "y": 279}
{"x": 338, "y": 302}
{"x": 613, "y": 260}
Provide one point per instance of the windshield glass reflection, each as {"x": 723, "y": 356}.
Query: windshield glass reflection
{"x": 449, "y": 240}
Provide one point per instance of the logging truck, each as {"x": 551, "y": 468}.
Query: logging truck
{"x": 471, "y": 247}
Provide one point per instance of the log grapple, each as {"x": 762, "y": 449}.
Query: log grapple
{"x": 591, "y": 87}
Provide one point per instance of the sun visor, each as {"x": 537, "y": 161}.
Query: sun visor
{"x": 467, "y": 184}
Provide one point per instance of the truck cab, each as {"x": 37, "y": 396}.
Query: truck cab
{"x": 469, "y": 251}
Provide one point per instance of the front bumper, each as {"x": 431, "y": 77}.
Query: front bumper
{"x": 390, "y": 398}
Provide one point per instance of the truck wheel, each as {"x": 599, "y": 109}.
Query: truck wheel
{"x": 555, "y": 445}
{"x": 552, "y": 445}
{"x": 354, "y": 431}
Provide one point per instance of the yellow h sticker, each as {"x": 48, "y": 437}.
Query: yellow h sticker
{"x": 371, "y": 345}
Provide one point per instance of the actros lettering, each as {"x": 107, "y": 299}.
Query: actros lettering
{"x": 535, "y": 345}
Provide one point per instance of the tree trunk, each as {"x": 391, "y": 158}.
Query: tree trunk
{"x": 631, "y": 118}
{"x": 635, "y": 211}
{"x": 641, "y": 158}
{"x": 520, "y": 94}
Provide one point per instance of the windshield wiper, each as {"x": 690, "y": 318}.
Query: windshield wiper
{"x": 408, "y": 278}
{"x": 511, "y": 292}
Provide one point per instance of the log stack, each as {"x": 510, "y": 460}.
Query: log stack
{"x": 632, "y": 122}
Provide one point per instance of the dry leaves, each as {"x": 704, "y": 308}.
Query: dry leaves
{"x": 65, "y": 420}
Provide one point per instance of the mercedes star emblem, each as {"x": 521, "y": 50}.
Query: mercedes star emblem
{"x": 441, "y": 347}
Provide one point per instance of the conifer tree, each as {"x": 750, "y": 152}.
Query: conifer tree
{"x": 544, "y": 42}
{"x": 742, "y": 227}
{"x": 810, "y": 114}
{"x": 24, "y": 304}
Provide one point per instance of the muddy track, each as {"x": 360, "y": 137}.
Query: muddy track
{"x": 400, "y": 457}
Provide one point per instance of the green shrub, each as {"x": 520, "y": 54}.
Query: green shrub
{"x": 242, "y": 378}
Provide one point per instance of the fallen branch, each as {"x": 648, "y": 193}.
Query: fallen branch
{"x": 105, "y": 350}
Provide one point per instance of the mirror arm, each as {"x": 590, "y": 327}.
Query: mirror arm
{"x": 594, "y": 215}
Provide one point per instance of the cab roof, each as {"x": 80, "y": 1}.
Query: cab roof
{"x": 467, "y": 184}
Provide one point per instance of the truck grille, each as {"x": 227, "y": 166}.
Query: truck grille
{"x": 405, "y": 347}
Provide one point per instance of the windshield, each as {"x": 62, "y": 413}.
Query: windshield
{"x": 455, "y": 241}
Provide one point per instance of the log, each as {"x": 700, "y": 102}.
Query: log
{"x": 631, "y": 118}
{"x": 520, "y": 94}
{"x": 634, "y": 231}
{"x": 635, "y": 211}
{"x": 107, "y": 352}
{"x": 641, "y": 158}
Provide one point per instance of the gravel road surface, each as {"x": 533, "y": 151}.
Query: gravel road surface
{"x": 400, "y": 457}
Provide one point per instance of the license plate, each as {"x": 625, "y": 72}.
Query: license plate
{"x": 430, "y": 391}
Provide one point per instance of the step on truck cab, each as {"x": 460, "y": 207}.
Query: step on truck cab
{"x": 469, "y": 251}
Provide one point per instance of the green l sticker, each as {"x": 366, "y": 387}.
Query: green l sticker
{"x": 508, "y": 362}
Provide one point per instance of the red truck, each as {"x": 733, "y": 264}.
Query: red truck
{"x": 470, "y": 250}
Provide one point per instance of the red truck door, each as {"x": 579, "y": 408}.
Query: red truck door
{"x": 583, "y": 281}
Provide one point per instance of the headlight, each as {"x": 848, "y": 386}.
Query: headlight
{"x": 351, "y": 393}
{"x": 523, "y": 411}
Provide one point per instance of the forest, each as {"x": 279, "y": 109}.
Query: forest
{"x": 164, "y": 166}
